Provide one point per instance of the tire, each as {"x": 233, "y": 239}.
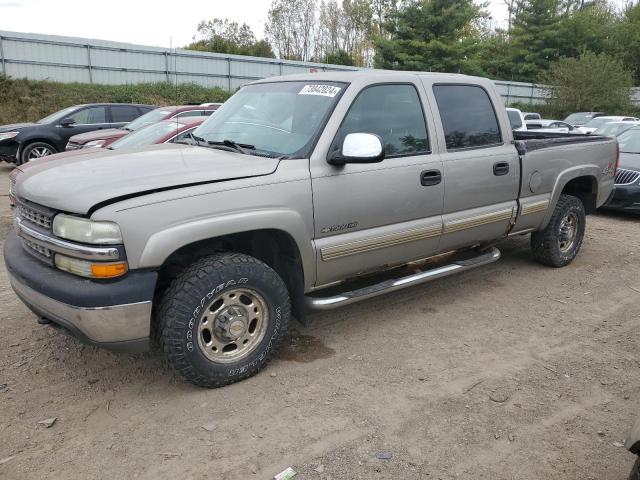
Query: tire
{"x": 559, "y": 243}
{"x": 254, "y": 316}
{"x": 635, "y": 470}
{"x": 35, "y": 150}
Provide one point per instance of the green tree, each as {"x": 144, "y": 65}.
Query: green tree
{"x": 431, "y": 35}
{"x": 222, "y": 36}
{"x": 627, "y": 39}
{"x": 535, "y": 39}
{"x": 593, "y": 82}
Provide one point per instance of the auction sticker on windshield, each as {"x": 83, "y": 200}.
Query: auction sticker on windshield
{"x": 324, "y": 90}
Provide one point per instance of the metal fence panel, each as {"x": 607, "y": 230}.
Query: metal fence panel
{"x": 71, "y": 59}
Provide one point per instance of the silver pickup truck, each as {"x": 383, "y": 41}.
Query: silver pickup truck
{"x": 302, "y": 192}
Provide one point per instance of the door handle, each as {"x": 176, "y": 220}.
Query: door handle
{"x": 500, "y": 168}
{"x": 430, "y": 177}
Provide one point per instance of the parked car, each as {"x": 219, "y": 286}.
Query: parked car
{"x": 580, "y": 118}
{"x": 22, "y": 142}
{"x": 166, "y": 131}
{"x": 531, "y": 116}
{"x": 300, "y": 192}
{"x": 598, "y": 122}
{"x": 613, "y": 129}
{"x": 103, "y": 138}
{"x": 550, "y": 126}
{"x": 626, "y": 195}
{"x": 516, "y": 119}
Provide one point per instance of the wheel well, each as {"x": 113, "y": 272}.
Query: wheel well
{"x": 586, "y": 189}
{"x": 42, "y": 140}
{"x": 276, "y": 248}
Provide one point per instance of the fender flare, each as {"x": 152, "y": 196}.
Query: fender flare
{"x": 563, "y": 179}
{"x": 162, "y": 244}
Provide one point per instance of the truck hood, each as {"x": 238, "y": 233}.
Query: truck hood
{"x": 83, "y": 138}
{"x": 76, "y": 183}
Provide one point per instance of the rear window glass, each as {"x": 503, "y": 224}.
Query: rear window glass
{"x": 467, "y": 115}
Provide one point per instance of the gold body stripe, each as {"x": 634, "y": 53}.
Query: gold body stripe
{"x": 376, "y": 243}
{"x": 478, "y": 220}
{"x": 535, "y": 207}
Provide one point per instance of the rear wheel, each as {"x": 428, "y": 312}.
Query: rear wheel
{"x": 222, "y": 318}
{"x": 34, "y": 151}
{"x": 559, "y": 243}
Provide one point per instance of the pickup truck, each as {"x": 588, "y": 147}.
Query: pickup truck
{"x": 303, "y": 192}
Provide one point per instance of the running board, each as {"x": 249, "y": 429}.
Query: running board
{"x": 329, "y": 303}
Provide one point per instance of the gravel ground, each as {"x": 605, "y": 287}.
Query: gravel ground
{"x": 511, "y": 371}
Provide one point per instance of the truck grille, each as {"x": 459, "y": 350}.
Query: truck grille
{"x": 626, "y": 177}
{"x": 34, "y": 216}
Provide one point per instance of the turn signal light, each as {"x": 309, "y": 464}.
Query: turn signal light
{"x": 108, "y": 270}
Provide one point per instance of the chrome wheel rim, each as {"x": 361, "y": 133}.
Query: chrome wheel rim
{"x": 39, "y": 152}
{"x": 568, "y": 232}
{"x": 232, "y": 325}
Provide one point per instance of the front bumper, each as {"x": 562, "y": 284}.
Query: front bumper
{"x": 625, "y": 197}
{"x": 9, "y": 150}
{"x": 111, "y": 314}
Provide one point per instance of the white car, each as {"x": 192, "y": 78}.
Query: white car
{"x": 531, "y": 116}
{"x": 516, "y": 119}
{"x": 613, "y": 129}
{"x": 598, "y": 122}
{"x": 551, "y": 126}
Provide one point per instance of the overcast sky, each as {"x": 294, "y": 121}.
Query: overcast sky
{"x": 145, "y": 22}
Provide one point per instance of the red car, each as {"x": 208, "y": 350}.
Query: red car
{"x": 103, "y": 138}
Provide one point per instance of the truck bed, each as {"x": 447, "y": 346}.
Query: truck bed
{"x": 532, "y": 140}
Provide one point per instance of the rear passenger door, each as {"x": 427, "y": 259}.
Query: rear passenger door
{"x": 481, "y": 166}
{"x": 387, "y": 213}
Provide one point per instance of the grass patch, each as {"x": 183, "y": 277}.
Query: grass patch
{"x": 24, "y": 100}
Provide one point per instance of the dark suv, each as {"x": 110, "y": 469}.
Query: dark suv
{"x": 22, "y": 142}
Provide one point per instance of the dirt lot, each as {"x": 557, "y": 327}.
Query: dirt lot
{"x": 513, "y": 371}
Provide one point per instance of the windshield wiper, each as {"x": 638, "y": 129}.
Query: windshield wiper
{"x": 194, "y": 139}
{"x": 232, "y": 146}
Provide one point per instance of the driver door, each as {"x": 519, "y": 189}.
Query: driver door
{"x": 371, "y": 215}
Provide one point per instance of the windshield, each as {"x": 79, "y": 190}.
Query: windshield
{"x": 280, "y": 118}
{"x": 514, "y": 119}
{"x": 630, "y": 141}
{"x": 578, "y": 118}
{"x": 54, "y": 117}
{"x": 148, "y": 118}
{"x": 148, "y": 135}
{"x": 598, "y": 122}
{"x": 614, "y": 128}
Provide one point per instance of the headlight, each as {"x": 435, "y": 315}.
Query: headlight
{"x": 94, "y": 144}
{"x": 86, "y": 231}
{"x": 8, "y": 135}
{"x": 84, "y": 268}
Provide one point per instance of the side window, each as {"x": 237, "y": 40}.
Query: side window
{"x": 189, "y": 113}
{"x": 394, "y": 113}
{"x": 183, "y": 136}
{"x": 123, "y": 113}
{"x": 468, "y": 117}
{"x": 90, "y": 115}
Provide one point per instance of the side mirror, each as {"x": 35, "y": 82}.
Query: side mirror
{"x": 359, "y": 148}
{"x": 67, "y": 122}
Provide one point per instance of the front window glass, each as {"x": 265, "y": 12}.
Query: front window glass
{"x": 148, "y": 118}
{"x": 54, "y": 117}
{"x": 630, "y": 141}
{"x": 90, "y": 116}
{"x": 578, "y": 118}
{"x": 392, "y": 112}
{"x": 279, "y": 118}
{"x": 149, "y": 135}
{"x": 597, "y": 122}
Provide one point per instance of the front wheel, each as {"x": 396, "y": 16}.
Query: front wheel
{"x": 559, "y": 243}
{"x": 34, "y": 151}
{"x": 222, "y": 318}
